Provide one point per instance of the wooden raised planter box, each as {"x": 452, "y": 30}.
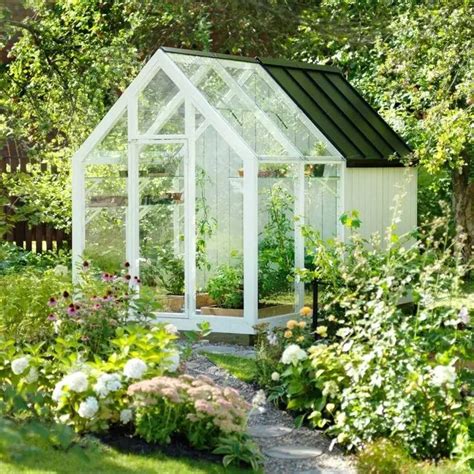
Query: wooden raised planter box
{"x": 263, "y": 312}
{"x": 108, "y": 201}
{"x": 175, "y": 303}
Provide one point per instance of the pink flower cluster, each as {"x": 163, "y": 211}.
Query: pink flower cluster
{"x": 202, "y": 399}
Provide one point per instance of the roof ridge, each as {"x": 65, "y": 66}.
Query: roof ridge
{"x": 297, "y": 64}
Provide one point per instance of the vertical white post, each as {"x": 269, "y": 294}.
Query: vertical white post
{"x": 299, "y": 193}
{"x": 190, "y": 208}
{"x": 250, "y": 204}
{"x": 133, "y": 210}
{"x": 78, "y": 214}
{"x": 341, "y": 199}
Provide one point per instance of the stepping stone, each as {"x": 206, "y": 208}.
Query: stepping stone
{"x": 292, "y": 452}
{"x": 268, "y": 431}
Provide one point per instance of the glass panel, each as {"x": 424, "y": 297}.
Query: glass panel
{"x": 321, "y": 198}
{"x": 276, "y": 247}
{"x": 152, "y": 100}
{"x": 219, "y": 227}
{"x": 161, "y": 228}
{"x": 106, "y": 211}
{"x": 106, "y": 199}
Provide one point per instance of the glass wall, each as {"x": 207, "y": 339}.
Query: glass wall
{"x": 276, "y": 239}
{"x": 219, "y": 227}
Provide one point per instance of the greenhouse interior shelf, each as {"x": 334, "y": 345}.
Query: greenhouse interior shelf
{"x": 204, "y": 172}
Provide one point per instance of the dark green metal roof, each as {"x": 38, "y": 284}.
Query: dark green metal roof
{"x": 360, "y": 134}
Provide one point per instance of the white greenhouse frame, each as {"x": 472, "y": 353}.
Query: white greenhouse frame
{"x": 195, "y": 101}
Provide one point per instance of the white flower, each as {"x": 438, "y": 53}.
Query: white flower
{"x": 443, "y": 374}
{"x": 135, "y": 368}
{"x": 77, "y": 382}
{"x": 19, "y": 365}
{"x": 32, "y": 375}
{"x": 343, "y": 332}
{"x": 272, "y": 339}
{"x": 173, "y": 362}
{"x": 275, "y": 376}
{"x": 293, "y": 354}
{"x": 107, "y": 383}
{"x": 88, "y": 408}
{"x": 61, "y": 270}
{"x": 171, "y": 329}
{"x": 126, "y": 416}
{"x": 464, "y": 316}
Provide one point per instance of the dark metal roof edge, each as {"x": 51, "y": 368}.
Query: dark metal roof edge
{"x": 375, "y": 163}
{"x": 207, "y": 54}
{"x": 297, "y": 65}
{"x": 361, "y": 97}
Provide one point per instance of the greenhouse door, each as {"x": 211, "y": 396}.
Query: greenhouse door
{"x": 161, "y": 183}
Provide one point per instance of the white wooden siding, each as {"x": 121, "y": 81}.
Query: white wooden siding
{"x": 374, "y": 193}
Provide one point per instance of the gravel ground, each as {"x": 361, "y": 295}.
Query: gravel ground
{"x": 329, "y": 462}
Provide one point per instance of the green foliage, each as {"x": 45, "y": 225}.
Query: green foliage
{"x": 226, "y": 287}
{"x": 14, "y": 259}
{"x": 240, "y": 450}
{"x": 276, "y": 244}
{"x": 370, "y": 347}
{"x": 24, "y": 302}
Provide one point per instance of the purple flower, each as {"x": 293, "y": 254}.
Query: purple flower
{"x": 126, "y": 265}
{"x": 136, "y": 280}
{"x": 127, "y": 277}
{"x": 107, "y": 277}
{"x": 65, "y": 294}
{"x": 107, "y": 298}
{"x": 52, "y": 301}
{"x": 96, "y": 307}
{"x": 85, "y": 265}
{"x": 72, "y": 310}
{"x": 52, "y": 317}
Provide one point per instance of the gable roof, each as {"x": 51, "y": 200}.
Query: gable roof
{"x": 323, "y": 94}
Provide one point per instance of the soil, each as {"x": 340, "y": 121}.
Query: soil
{"x": 125, "y": 442}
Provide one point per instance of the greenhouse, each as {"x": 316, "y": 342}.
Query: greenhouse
{"x": 203, "y": 173}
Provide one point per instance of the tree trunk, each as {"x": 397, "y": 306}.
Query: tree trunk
{"x": 463, "y": 194}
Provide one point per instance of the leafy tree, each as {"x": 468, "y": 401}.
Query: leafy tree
{"x": 413, "y": 60}
{"x": 68, "y": 62}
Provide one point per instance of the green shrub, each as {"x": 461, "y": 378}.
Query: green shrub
{"x": 208, "y": 416}
{"x": 24, "y": 303}
{"x": 377, "y": 370}
{"x": 383, "y": 457}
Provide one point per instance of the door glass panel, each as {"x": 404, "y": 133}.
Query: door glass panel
{"x": 161, "y": 228}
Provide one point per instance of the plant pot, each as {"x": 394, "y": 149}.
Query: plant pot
{"x": 216, "y": 311}
{"x": 203, "y": 299}
{"x": 175, "y": 303}
{"x": 165, "y": 198}
{"x": 108, "y": 201}
{"x": 241, "y": 172}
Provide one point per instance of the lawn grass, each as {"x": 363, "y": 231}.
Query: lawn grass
{"x": 241, "y": 367}
{"x": 101, "y": 459}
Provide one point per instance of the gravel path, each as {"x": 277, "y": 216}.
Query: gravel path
{"x": 276, "y": 425}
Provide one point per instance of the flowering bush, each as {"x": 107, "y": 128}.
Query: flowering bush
{"x": 377, "y": 369}
{"x": 195, "y": 407}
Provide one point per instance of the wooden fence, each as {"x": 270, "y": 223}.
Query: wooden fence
{"x": 37, "y": 238}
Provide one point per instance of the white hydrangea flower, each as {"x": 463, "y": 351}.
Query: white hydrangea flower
{"x": 77, "y": 382}
{"x": 293, "y": 354}
{"x": 173, "y": 362}
{"x": 107, "y": 383}
{"x": 275, "y": 376}
{"x": 19, "y": 365}
{"x": 443, "y": 374}
{"x": 126, "y": 416}
{"x": 88, "y": 408}
{"x": 171, "y": 329}
{"x": 32, "y": 375}
{"x": 135, "y": 368}
{"x": 343, "y": 332}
